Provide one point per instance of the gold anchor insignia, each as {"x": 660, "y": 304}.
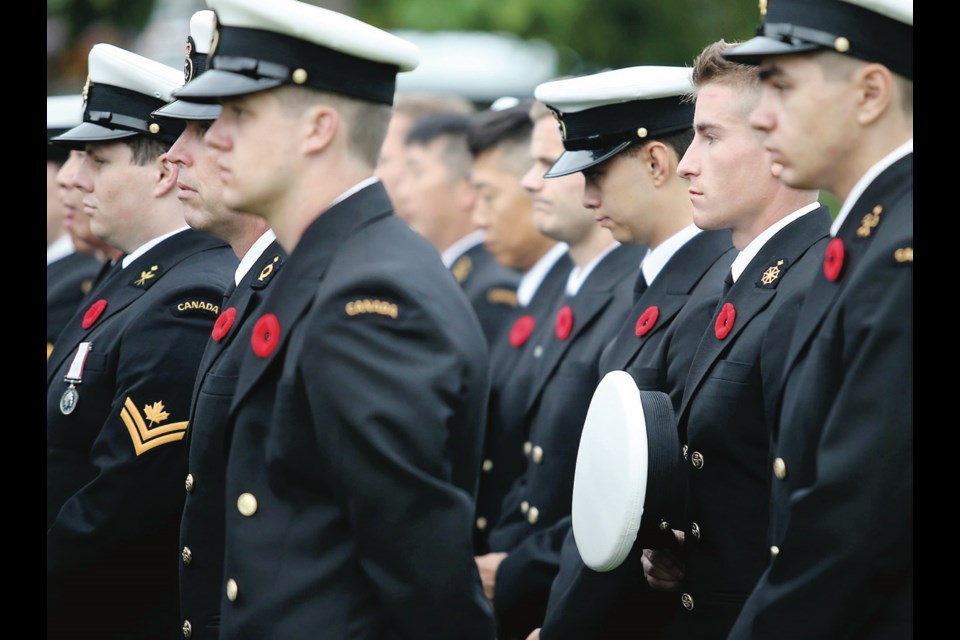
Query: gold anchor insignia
{"x": 904, "y": 254}
{"x": 86, "y": 89}
{"x": 763, "y": 8}
{"x": 869, "y": 221}
{"x": 144, "y": 276}
{"x": 267, "y": 270}
{"x": 772, "y": 273}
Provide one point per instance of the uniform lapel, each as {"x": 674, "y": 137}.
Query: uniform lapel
{"x": 293, "y": 292}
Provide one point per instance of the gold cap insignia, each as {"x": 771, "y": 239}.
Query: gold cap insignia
{"x": 86, "y": 89}
{"x": 188, "y": 61}
{"x": 763, "y": 8}
{"x": 563, "y": 127}
{"x": 148, "y": 436}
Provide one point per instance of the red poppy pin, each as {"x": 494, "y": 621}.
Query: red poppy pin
{"x": 266, "y": 334}
{"x": 646, "y": 321}
{"x": 564, "y": 322}
{"x": 93, "y": 313}
{"x": 224, "y": 321}
{"x": 725, "y": 320}
{"x": 521, "y": 330}
{"x": 833, "y": 260}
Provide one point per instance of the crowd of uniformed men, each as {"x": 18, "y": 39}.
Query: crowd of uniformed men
{"x": 328, "y": 361}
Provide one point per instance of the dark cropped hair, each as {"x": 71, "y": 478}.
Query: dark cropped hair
{"x": 489, "y": 129}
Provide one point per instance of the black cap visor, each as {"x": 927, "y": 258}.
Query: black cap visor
{"x": 754, "y": 50}
{"x": 184, "y": 110}
{"x": 87, "y": 132}
{"x": 214, "y": 84}
{"x": 574, "y": 161}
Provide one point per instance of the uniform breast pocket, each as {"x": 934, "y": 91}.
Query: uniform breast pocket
{"x": 291, "y": 441}
{"x": 731, "y": 371}
{"x": 218, "y": 385}
{"x": 96, "y": 361}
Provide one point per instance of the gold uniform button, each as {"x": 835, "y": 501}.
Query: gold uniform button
{"x": 533, "y": 515}
{"x": 524, "y": 506}
{"x": 232, "y": 590}
{"x": 154, "y": 127}
{"x": 696, "y": 458}
{"x": 687, "y": 601}
{"x": 187, "y": 555}
{"x": 695, "y": 530}
{"x": 481, "y": 523}
{"x": 642, "y": 132}
{"x": 299, "y": 76}
{"x": 187, "y": 629}
{"x": 188, "y": 483}
{"x": 527, "y": 448}
{"x": 537, "y": 455}
{"x": 774, "y": 550}
{"x": 487, "y": 465}
{"x": 841, "y": 44}
{"x": 779, "y": 468}
{"x": 247, "y": 504}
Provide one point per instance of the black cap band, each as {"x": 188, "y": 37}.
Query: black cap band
{"x": 265, "y": 54}
{"x": 609, "y": 125}
{"x": 118, "y": 108}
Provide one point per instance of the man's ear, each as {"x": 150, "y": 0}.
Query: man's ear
{"x": 659, "y": 161}
{"x": 874, "y": 86}
{"x": 167, "y": 175}
{"x": 322, "y": 122}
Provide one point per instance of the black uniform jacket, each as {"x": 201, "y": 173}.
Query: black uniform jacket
{"x": 69, "y": 279}
{"x": 563, "y": 383}
{"x": 726, "y": 428}
{"x": 842, "y": 469}
{"x": 585, "y": 603}
{"x": 490, "y": 287}
{"x": 200, "y": 554}
{"x": 355, "y": 442}
{"x": 513, "y": 358}
{"x": 116, "y": 462}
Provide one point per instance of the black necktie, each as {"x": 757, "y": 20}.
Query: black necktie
{"x": 727, "y": 283}
{"x": 639, "y": 286}
{"x": 229, "y": 292}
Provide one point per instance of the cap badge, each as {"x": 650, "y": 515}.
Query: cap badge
{"x": 772, "y": 273}
{"x": 86, "y": 89}
{"x": 188, "y": 61}
{"x": 869, "y": 221}
{"x": 763, "y": 8}
{"x": 563, "y": 126}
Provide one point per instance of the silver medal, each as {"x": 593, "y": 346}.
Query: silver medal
{"x": 69, "y": 399}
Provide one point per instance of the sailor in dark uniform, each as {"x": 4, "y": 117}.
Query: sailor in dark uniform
{"x": 439, "y": 198}
{"x": 122, "y": 370}
{"x": 200, "y": 554}
{"x": 500, "y": 144}
{"x": 70, "y": 273}
{"x": 356, "y": 423}
{"x": 724, "y": 422}
{"x": 841, "y": 529}
{"x": 676, "y": 289}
